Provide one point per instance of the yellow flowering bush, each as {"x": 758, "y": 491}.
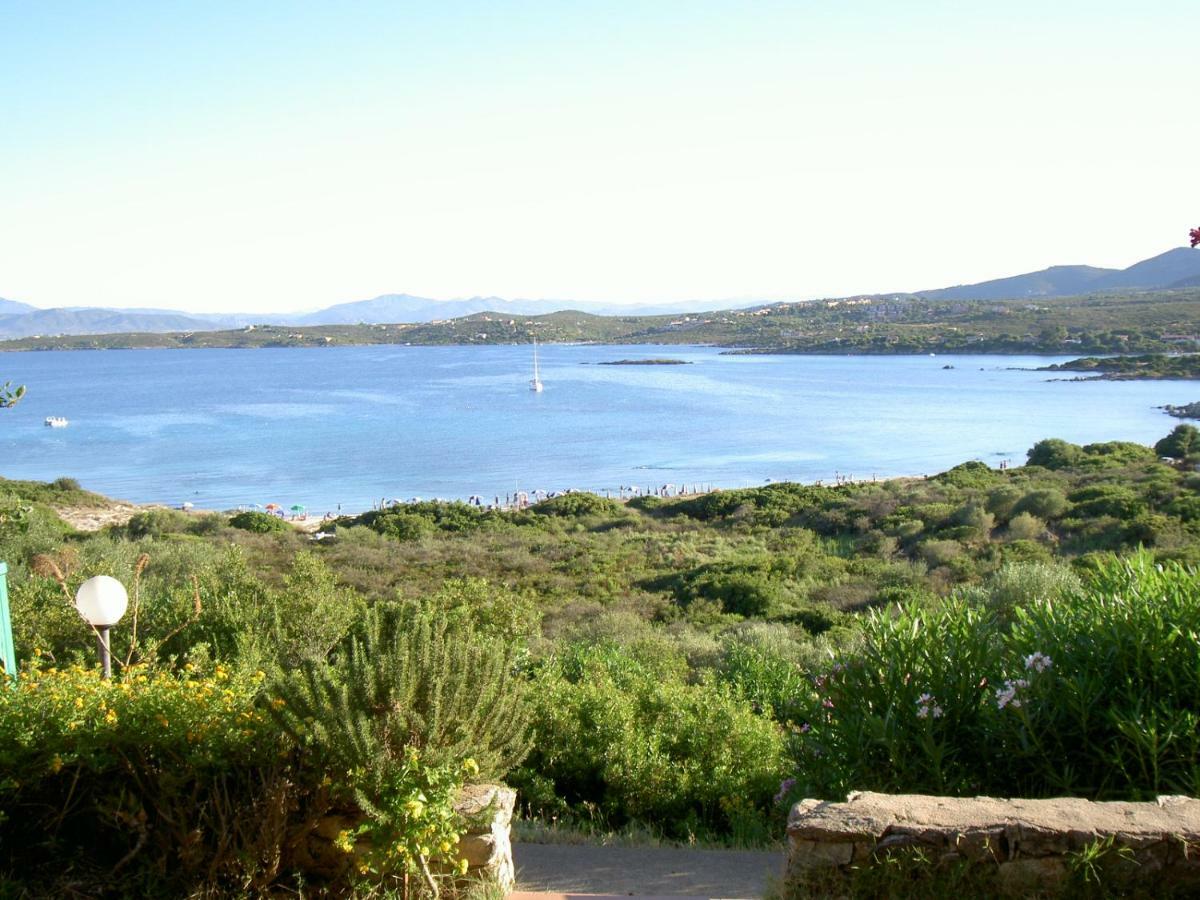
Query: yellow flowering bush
{"x": 411, "y": 822}
{"x": 176, "y": 778}
{"x": 55, "y": 718}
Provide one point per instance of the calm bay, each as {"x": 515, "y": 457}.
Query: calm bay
{"x": 356, "y": 425}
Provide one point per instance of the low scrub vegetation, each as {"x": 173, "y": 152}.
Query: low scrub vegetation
{"x": 689, "y": 665}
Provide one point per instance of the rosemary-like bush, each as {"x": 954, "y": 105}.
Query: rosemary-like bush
{"x": 412, "y": 677}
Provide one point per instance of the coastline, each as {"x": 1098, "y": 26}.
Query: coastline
{"x": 94, "y": 517}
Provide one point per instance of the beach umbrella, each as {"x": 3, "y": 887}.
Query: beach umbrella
{"x": 187, "y": 505}
{"x": 297, "y": 508}
{"x": 271, "y": 506}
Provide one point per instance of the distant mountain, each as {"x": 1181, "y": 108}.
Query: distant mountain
{"x": 12, "y": 307}
{"x": 1162, "y": 271}
{"x": 395, "y": 308}
{"x": 96, "y": 321}
{"x": 1176, "y": 268}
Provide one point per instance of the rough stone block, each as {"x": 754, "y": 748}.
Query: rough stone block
{"x": 1026, "y": 844}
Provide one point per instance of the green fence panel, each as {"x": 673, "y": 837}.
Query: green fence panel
{"x": 8, "y": 656}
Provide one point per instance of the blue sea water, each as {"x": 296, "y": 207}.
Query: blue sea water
{"x": 354, "y": 425}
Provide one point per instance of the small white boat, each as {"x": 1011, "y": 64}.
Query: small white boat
{"x": 56, "y": 422}
{"x": 535, "y": 383}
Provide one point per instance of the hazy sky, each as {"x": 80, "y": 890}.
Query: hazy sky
{"x": 270, "y": 156}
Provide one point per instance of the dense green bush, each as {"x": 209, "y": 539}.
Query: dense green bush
{"x": 636, "y": 742}
{"x": 1089, "y": 693}
{"x": 258, "y": 522}
{"x": 1182, "y": 442}
{"x": 578, "y": 503}
{"x": 411, "y": 678}
{"x": 1045, "y": 503}
{"x": 1054, "y": 454}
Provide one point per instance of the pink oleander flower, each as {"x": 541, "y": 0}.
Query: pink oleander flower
{"x": 1195, "y": 236}
{"x": 1008, "y": 695}
{"x": 927, "y": 706}
{"x": 784, "y": 786}
{"x": 1038, "y": 662}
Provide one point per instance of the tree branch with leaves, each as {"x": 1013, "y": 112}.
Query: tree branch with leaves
{"x": 9, "y": 395}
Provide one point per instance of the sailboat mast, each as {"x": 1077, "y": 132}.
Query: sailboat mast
{"x": 535, "y": 384}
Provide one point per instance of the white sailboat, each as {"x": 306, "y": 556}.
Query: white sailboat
{"x": 535, "y": 383}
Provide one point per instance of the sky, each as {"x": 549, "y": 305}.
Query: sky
{"x": 277, "y": 156}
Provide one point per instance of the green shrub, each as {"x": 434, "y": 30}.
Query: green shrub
{"x": 258, "y": 522}
{"x": 1046, "y": 503}
{"x": 154, "y": 523}
{"x": 973, "y": 474}
{"x": 1054, "y": 454}
{"x": 415, "y": 678}
{"x": 1017, "y": 584}
{"x": 578, "y": 504}
{"x": 642, "y": 745}
{"x": 772, "y": 683}
{"x": 1025, "y": 527}
{"x": 1000, "y": 502}
{"x": 1182, "y": 442}
{"x": 1106, "y": 500}
{"x": 939, "y": 553}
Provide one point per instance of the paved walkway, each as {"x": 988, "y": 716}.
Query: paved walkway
{"x": 578, "y": 869}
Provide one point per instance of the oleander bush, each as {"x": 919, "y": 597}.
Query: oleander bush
{"x": 1085, "y": 691}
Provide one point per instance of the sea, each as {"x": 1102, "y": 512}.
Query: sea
{"x": 351, "y": 427}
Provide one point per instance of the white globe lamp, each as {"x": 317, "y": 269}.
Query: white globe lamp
{"x": 101, "y": 601}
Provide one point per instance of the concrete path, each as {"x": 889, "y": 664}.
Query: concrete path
{"x": 579, "y": 869}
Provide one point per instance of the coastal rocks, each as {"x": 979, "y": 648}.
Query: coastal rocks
{"x": 1187, "y": 411}
{"x": 1023, "y": 845}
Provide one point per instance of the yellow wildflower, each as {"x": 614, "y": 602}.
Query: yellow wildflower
{"x": 414, "y": 808}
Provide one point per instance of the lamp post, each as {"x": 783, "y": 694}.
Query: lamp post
{"x": 102, "y": 601}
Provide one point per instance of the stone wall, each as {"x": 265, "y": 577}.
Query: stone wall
{"x": 1027, "y": 845}
{"x": 486, "y": 846}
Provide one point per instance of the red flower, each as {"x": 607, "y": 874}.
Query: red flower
{"x": 1195, "y": 237}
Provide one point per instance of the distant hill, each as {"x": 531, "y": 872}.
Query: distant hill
{"x": 1162, "y": 271}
